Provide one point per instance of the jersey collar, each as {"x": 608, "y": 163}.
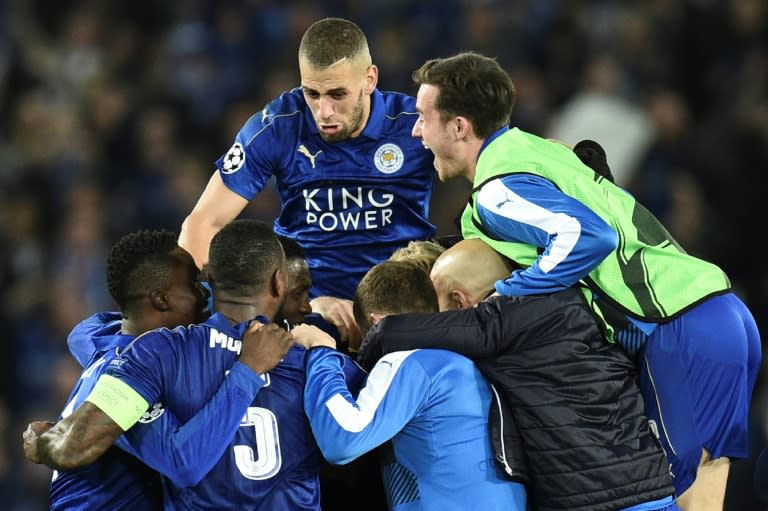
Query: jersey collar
{"x": 375, "y": 124}
{"x": 109, "y": 337}
{"x": 222, "y": 324}
{"x": 496, "y": 134}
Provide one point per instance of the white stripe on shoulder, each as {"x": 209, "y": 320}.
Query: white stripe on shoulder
{"x": 500, "y": 200}
{"x": 270, "y": 122}
{"x": 393, "y": 117}
{"x": 355, "y": 419}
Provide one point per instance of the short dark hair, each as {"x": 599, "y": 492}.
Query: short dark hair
{"x": 472, "y": 86}
{"x": 393, "y": 287}
{"x": 293, "y": 251}
{"x": 138, "y": 262}
{"x": 243, "y": 256}
{"x": 331, "y": 39}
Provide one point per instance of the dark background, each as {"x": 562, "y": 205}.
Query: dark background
{"x": 112, "y": 114}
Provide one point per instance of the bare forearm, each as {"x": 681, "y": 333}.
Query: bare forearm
{"x": 78, "y": 440}
{"x": 195, "y": 237}
{"x": 216, "y": 207}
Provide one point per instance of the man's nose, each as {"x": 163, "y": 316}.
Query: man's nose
{"x": 325, "y": 108}
{"x": 416, "y": 131}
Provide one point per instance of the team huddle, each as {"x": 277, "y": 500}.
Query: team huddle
{"x": 566, "y": 353}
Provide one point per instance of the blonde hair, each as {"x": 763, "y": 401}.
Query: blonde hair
{"x": 422, "y": 253}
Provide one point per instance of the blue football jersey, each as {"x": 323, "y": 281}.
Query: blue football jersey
{"x": 116, "y": 481}
{"x": 434, "y": 406}
{"x": 349, "y": 204}
{"x": 181, "y": 452}
{"x": 273, "y": 460}
{"x": 97, "y": 329}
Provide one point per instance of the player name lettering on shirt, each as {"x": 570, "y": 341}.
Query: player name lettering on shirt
{"x": 348, "y": 208}
{"x": 222, "y": 340}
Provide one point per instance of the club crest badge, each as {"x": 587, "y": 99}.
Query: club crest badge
{"x": 234, "y": 159}
{"x": 388, "y": 158}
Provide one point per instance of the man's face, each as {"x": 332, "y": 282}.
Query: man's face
{"x": 298, "y": 282}
{"x": 339, "y": 97}
{"x": 437, "y": 135}
{"x": 188, "y": 298}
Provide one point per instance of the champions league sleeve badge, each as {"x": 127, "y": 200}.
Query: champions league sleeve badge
{"x": 152, "y": 414}
{"x": 388, "y": 158}
{"x": 234, "y": 159}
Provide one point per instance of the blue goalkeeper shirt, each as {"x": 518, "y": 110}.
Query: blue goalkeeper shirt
{"x": 349, "y": 204}
{"x": 433, "y": 405}
{"x": 272, "y": 461}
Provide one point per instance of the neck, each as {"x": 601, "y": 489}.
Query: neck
{"x": 238, "y": 311}
{"x": 473, "y": 150}
{"x": 129, "y": 326}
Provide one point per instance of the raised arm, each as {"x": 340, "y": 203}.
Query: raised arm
{"x": 216, "y": 207}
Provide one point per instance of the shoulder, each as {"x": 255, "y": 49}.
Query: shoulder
{"x": 160, "y": 340}
{"x": 436, "y": 361}
{"x": 282, "y": 113}
{"x": 399, "y": 106}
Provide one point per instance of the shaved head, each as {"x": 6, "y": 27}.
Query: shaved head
{"x": 465, "y": 273}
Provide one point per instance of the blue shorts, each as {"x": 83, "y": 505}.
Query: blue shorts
{"x": 667, "y": 504}
{"x": 696, "y": 375}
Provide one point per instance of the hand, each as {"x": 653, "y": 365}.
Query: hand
{"x": 31, "y": 435}
{"x": 310, "y": 336}
{"x": 338, "y": 312}
{"x": 264, "y": 346}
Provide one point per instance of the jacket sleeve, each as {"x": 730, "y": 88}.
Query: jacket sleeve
{"x": 573, "y": 239}
{"x": 185, "y": 453}
{"x": 474, "y": 333}
{"x": 346, "y": 427}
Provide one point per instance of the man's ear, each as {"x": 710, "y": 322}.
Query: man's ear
{"x": 462, "y": 299}
{"x": 371, "y": 79}
{"x": 159, "y": 300}
{"x": 375, "y": 317}
{"x": 277, "y": 283}
{"x": 462, "y": 127}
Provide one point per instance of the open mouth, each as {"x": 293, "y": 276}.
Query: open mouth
{"x": 330, "y": 129}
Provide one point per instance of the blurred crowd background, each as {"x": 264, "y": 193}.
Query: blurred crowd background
{"x": 112, "y": 114}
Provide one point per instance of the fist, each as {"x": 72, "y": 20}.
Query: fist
{"x": 31, "y": 435}
{"x": 264, "y": 346}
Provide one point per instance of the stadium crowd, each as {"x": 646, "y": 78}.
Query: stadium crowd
{"x": 114, "y": 113}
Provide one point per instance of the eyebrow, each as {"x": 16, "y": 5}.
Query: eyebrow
{"x": 331, "y": 91}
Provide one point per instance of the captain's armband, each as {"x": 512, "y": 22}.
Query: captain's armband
{"x": 118, "y": 400}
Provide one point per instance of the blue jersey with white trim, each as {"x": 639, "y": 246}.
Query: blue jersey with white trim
{"x": 272, "y": 461}
{"x": 350, "y": 204}
{"x": 433, "y": 405}
{"x": 183, "y": 453}
{"x": 116, "y": 480}
{"x": 530, "y": 209}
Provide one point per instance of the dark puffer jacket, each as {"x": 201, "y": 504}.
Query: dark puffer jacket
{"x": 573, "y": 395}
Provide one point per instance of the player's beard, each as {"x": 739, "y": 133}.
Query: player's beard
{"x": 354, "y": 123}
